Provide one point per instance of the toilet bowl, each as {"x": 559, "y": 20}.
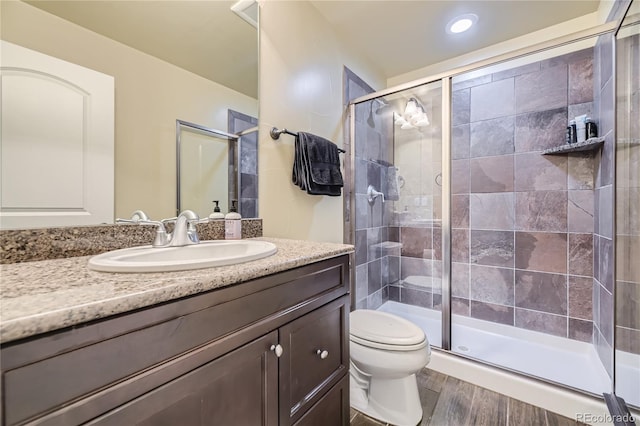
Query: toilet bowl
{"x": 386, "y": 353}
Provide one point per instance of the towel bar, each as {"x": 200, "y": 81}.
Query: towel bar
{"x": 275, "y": 135}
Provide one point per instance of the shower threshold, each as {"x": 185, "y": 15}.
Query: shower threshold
{"x": 560, "y": 360}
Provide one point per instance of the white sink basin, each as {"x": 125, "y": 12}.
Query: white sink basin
{"x": 207, "y": 254}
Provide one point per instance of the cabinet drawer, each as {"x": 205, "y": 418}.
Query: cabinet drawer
{"x": 315, "y": 357}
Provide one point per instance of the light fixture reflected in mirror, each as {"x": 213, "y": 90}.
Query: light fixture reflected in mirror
{"x": 413, "y": 116}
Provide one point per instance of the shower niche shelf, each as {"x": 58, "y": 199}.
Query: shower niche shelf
{"x": 591, "y": 144}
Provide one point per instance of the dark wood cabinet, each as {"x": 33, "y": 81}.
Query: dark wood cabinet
{"x": 270, "y": 351}
{"x": 239, "y": 388}
{"x": 315, "y": 357}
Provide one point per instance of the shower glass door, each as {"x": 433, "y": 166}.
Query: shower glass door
{"x": 398, "y": 205}
{"x": 522, "y": 221}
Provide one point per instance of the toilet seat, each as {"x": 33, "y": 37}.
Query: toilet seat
{"x": 381, "y": 330}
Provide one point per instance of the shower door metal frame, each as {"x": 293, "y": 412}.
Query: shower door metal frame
{"x": 612, "y": 398}
{"x": 350, "y": 200}
{"x": 445, "y": 79}
{"x": 445, "y": 320}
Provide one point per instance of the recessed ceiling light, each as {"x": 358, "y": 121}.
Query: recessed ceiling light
{"x": 461, "y": 23}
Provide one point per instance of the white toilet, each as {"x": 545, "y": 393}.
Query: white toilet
{"x": 386, "y": 353}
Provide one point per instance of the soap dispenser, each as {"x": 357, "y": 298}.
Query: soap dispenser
{"x": 233, "y": 223}
{"x": 217, "y": 214}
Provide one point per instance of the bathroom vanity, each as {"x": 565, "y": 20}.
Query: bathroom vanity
{"x": 264, "y": 342}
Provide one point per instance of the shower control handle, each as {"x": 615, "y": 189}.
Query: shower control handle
{"x": 277, "y": 349}
{"x": 323, "y": 354}
{"x": 372, "y": 194}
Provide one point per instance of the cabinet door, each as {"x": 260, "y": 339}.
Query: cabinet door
{"x": 240, "y": 388}
{"x": 333, "y": 409}
{"x": 315, "y": 357}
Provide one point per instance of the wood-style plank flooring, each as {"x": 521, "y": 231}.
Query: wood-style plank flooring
{"x": 447, "y": 401}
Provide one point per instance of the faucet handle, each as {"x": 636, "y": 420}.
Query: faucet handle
{"x": 189, "y": 221}
{"x": 196, "y": 221}
{"x": 161, "y": 238}
{"x": 189, "y": 215}
{"x": 136, "y": 217}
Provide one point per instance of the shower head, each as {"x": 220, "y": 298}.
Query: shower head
{"x": 383, "y": 104}
{"x": 370, "y": 121}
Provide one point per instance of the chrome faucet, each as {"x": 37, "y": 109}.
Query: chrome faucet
{"x": 184, "y": 231}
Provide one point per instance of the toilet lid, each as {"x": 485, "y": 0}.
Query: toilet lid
{"x": 383, "y": 328}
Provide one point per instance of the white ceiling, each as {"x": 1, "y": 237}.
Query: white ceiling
{"x": 398, "y": 36}
{"x": 204, "y": 37}
{"x": 401, "y": 36}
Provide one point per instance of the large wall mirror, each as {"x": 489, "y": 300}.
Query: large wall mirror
{"x": 190, "y": 60}
{"x": 206, "y": 162}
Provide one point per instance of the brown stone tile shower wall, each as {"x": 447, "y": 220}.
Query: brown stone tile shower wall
{"x": 522, "y": 223}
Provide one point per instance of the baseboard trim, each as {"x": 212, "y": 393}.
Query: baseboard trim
{"x": 568, "y": 403}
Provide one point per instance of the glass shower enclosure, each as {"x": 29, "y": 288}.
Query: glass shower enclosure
{"x": 469, "y": 220}
{"x": 398, "y": 150}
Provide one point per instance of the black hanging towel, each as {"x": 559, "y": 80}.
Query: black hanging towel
{"x": 316, "y": 165}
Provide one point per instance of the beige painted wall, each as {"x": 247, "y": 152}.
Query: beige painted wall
{"x": 301, "y": 64}
{"x": 150, "y": 95}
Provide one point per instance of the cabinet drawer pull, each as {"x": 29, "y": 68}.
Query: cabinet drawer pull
{"x": 323, "y": 354}
{"x": 277, "y": 349}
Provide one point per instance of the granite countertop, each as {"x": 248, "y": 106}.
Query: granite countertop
{"x": 46, "y": 295}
